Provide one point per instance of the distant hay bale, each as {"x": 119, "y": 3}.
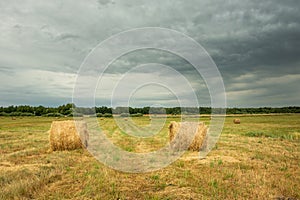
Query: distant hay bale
{"x": 180, "y": 135}
{"x": 64, "y": 135}
{"x": 236, "y": 121}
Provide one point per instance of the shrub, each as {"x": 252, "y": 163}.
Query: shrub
{"x": 3, "y": 114}
{"x": 124, "y": 115}
{"x": 107, "y": 115}
{"x": 137, "y": 115}
{"x": 75, "y": 115}
{"x": 15, "y": 114}
{"x": 53, "y": 115}
{"x": 27, "y": 114}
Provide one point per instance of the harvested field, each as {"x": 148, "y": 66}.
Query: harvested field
{"x": 258, "y": 159}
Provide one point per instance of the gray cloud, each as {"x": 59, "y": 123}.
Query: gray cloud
{"x": 105, "y": 2}
{"x": 251, "y": 42}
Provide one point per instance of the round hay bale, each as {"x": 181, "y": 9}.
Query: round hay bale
{"x": 180, "y": 135}
{"x": 236, "y": 121}
{"x": 64, "y": 135}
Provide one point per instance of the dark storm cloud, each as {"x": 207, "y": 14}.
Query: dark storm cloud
{"x": 254, "y": 35}
{"x": 255, "y": 44}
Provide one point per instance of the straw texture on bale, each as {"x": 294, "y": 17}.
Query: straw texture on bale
{"x": 188, "y": 135}
{"x": 236, "y": 121}
{"x": 64, "y": 135}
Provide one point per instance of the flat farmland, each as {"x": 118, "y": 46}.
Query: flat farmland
{"x": 257, "y": 159}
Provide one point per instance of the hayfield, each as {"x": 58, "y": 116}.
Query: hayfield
{"x": 257, "y": 159}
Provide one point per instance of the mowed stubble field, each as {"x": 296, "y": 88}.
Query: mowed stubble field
{"x": 258, "y": 159}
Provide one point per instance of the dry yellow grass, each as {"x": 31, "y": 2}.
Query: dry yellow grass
{"x": 242, "y": 165}
{"x": 68, "y": 135}
{"x": 187, "y": 135}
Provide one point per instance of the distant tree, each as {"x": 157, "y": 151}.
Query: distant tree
{"x": 70, "y": 109}
{"x": 10, "y": 109}
{"x": 39, "y": 111}
{"x": 66, "y": 109}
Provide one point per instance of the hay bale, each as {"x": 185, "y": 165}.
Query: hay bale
{"x": 180, "y": 136}
{"x": 236, "y": 121}
{"x": 64, "y": 135}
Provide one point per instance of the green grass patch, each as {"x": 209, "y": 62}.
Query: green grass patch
{"x": 275, "y": 134}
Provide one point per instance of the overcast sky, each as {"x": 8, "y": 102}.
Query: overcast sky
{"x": 255, "y": 45}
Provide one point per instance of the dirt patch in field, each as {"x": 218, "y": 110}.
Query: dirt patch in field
{"x": 195, "y": 156}
{"x": 141, "y": 147}
{"x": 8, "y": 166}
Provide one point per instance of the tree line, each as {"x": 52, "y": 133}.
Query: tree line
{"x": 71, "y": 110}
